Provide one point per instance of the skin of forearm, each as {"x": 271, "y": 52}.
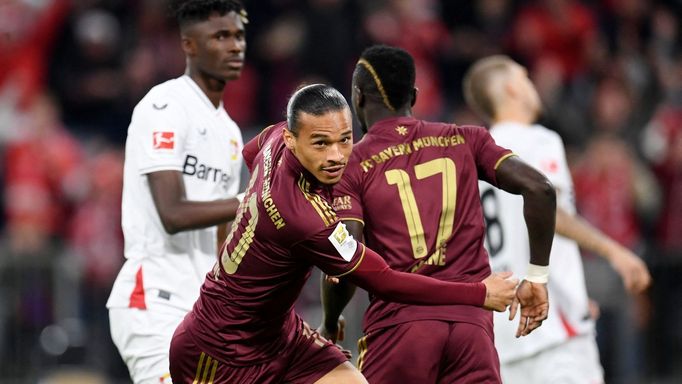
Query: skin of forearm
{"x": 539, "y": 204}
{"x": 334, "y": 297}
{"x": 188, "y": 215}
{"x": 585, "y": 234}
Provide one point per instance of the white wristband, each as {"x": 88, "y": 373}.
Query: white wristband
{"x": 538, "y": 273}
{"x": 240, "y": 196}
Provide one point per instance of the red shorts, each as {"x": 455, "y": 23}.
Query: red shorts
{"x": 305, "y": 360}
{"x": 429, "y": 352}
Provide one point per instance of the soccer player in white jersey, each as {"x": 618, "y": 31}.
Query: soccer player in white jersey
{"x": 564, "y": 349}
{"x": 182, "y": 168}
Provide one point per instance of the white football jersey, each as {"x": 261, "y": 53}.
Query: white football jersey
{"x": 174, "y": 127}
{"x": 508, "y": 246}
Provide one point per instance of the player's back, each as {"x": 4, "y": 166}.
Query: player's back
{"x": 414, "y": 184}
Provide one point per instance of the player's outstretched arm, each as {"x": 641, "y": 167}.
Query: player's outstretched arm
{"x": 336, "y": 294}
{"x": 178, "y": 214}
{"x": 375, "y": 276}
{"x": 630, "y": 267}
{"x": 539, "y": 211}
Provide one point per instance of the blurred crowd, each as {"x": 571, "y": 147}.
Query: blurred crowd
{"x": 609, "y": 73}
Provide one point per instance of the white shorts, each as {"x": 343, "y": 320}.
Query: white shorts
{"x": 575, "y": 361}
{"x": 143, "y": 340}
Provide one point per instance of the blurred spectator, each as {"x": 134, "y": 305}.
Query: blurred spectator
{"x": 557, "y": 30}
{"x": 27, "y": 30}
{"x": 613, "y": 192}
{"x": 662, "y": 146}
{"x": 88, "y": 77}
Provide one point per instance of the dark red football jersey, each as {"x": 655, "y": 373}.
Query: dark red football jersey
{"x": 414, "y": 185}
{"x": 284, "y": 226}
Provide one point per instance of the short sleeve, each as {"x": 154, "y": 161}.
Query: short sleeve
{"x": 157, "y": 134}
{"x": 550, "y": 160}
{"x": 487, "y": 154}
{"x": 347, "y": 200}
{"x": 333, "y": 250}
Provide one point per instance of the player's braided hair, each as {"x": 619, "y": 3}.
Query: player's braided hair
{"x": 315, "y": 99}
{"x": 192, "y": 11}
{"x": 389, "y": 72}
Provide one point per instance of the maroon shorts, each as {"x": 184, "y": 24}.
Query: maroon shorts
{"x": 305, "y": 360}
{"x": 429, "y": 352}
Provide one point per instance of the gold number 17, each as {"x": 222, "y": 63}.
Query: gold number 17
{"x": 401, "y": 179}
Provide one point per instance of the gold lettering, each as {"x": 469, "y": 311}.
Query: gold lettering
{"x": 279, "y": 223}
{"x": 418, "y": 144}
{"x": 366, "y": 165}
{"x": 376, "y": 159}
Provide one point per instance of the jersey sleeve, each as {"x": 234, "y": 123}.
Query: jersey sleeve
{"x": 333, "y": 250}
{"x": 157, "y": 135}
{"x": 487, "y": 154}
{"x": 252, "y": 148}
{"x": 550, "y": 159}
{"x": 347, "y": 201}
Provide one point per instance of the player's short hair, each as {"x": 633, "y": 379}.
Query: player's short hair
{"x": 188, "y": 12}
{"x": 478, "y": 83}
{"x": 388, "y": 71}
{"x": 314, "y": 99}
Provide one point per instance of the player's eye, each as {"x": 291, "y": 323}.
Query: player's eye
{"x": 345, "y": 140}
{"x": 319, "y": 144}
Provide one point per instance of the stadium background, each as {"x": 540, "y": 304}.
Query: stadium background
{"x": 608, "y": 71}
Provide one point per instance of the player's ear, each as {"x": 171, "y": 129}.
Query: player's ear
{"x": 289, "y": 139}
{"x": 413, "y": 100}
{"x": 189, "y": 46}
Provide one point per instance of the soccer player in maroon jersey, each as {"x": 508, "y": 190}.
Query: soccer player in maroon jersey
{"x": 242, "y": 328}
{"x": 412, "y": 187}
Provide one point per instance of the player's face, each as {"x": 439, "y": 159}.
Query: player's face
{"x": 323, "y": 144}
{"x": 529, "y": 95}
{"x": 220, "y": 46}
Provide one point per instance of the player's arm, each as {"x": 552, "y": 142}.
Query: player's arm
{"x": 631, "y": 268}
{"x": 539, "y": 211}
{"x": 374, "y": 275}
{"x": 336, "y": 293}
{"x": 179, "y": 214}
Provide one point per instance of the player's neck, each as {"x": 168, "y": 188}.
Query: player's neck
{"x": 212, "y": 87}
{"x": 380, "y": 113}
{"x": 513, "y": 115}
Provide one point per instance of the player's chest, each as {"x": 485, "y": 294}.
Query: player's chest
{"x": 213, "y": 139}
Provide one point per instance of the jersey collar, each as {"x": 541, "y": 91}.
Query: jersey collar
{"x": 200, "y": 93}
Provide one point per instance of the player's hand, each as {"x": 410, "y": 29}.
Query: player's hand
{"x": 331, "y": 280}
{"x": 334, "y": 334}
{"x": 632, "y": 270}
{"x": 500, "y": 291}
{"x": 534, "y": 303}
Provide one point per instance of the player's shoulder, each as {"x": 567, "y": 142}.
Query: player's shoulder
{"x": 305, "y": 212}
{"x": 164, "y": 98}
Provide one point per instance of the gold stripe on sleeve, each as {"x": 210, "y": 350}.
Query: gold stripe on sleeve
{"x": 503, "y": 158}
{"x": 201, "y": 362}
{"x": 362, "y": 347}
{"x": 260, "y": 135}
{"x": 322, "y": 208}
{"x": 206, "y": 369}
{"x": 215, "y": 368}
{"x": 362, "y": 256}
{"x": 352, "y": 219}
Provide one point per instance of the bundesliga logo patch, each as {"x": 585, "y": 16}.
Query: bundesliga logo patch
{"x": 163, "y": 140}
{"x": 343, "y": 241}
